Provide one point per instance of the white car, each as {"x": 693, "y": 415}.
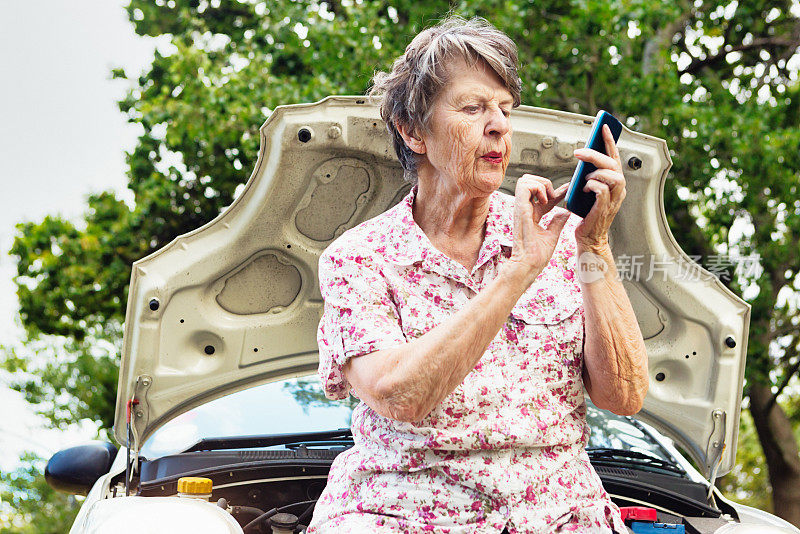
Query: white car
{"x": 222, "y": 322}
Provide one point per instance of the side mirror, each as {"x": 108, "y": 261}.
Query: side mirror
{"x": 75, "y": 470}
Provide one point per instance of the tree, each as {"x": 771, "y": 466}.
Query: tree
{"x": 748, "y": 479}
{"x": 718, "y": 80}
{"x": 28, "y": 496}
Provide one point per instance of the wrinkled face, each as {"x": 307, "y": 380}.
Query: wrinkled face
{"x": 469, "y": 142}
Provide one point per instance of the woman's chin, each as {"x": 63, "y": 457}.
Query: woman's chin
{"x": 489, "y": 181}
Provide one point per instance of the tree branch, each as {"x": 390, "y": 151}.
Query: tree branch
{"x": 726, "y": 38}
{"x": 590, "y": 82}
{"x": 785, "y": 329}
{"x": 788, "y": 52}
{"x": 661, "y": 38}
{"x": 708, "y": 61}
{"x": 570, "y": 103}
{"x": 786, "y": 378}
{"x": 335, "y": 7}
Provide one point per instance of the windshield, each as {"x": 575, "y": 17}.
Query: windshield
{"x": 610, "y": 431}
{"x": 299, "y": 405}
{"x": 287, "y": 406}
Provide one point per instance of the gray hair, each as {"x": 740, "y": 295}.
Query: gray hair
{"x": 407, "y": 92}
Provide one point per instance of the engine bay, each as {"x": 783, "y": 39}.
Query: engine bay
{"x": 269, "y": 490}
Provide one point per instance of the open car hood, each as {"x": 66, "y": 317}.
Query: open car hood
{"x": 236, "y": 302}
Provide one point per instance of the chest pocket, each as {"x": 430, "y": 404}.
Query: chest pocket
{"x": 421, "y": 313}
{"x": 554, "y": 295}
{"x": 544, "y": 305}
{"x": 548, "y": 320}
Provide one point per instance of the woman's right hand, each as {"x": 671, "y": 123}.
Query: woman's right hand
{"x": 533, "y": 244}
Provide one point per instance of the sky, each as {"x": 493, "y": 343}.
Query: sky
{"x": 62, "y": 137}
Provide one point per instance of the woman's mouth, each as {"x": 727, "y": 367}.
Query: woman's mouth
{"x": 493, "y": 157}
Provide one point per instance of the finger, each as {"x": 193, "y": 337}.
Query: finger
{"x": 560, "y": 193}
{"x": 557, "y": 223}
{"x": 548, "y": 185}
{"x": 538, "y": 179}
{"x": 613, "y": 179}
{"x": 590, "y": 221}
{"x": 538, "y": 193}
{"x": 600, "y": 189}
{"x": 549, "y": 188}
{"x": 531, "y": 180}
{"x": 611, "y": 146}
{"x": 524, "y": 191}
{"x": 600, "y": 160}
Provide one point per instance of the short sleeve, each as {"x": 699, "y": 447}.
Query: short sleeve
{"x": 359, "y": 315}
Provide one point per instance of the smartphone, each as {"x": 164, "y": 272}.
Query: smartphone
{"x": 579, "y": 201}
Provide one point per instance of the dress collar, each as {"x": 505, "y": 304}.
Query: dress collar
{"x": 407, "y": 243}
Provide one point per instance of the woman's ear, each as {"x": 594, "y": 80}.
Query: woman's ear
{"x": 416, "y": 144}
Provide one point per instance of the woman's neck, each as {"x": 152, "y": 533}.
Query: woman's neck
{"x": 452, "y": 218}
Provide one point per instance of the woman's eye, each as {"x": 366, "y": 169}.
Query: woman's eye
{"x": 506, "y": 112}
{"x": 471, "y": 109}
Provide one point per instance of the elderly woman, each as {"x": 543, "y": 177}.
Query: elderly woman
{"x": 459, "y": 321}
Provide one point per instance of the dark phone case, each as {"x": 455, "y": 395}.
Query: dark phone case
{"x": 580, "y": 202}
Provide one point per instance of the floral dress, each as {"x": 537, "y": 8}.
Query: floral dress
{"x": 505, "y": 450}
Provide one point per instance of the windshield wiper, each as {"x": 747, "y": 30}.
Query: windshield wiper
{"x": 343, "y": 437}
{"x": 252, "y": 442}
{"x": 328, "y": 443}
{"x": 622, "y": 457}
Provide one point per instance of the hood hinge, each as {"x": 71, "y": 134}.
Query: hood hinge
{"x": 716, "y": 446}
{"x": 136, "y": 417}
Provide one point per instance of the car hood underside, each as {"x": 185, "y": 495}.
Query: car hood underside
{"x": 236, "y": 303}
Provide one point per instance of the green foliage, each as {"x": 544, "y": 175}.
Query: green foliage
{"x": 66, "y": 380}
{"x": 729, "y": 111}
{"x": 748, "y": 482}
{"x": 29, "y": 506}
{"x": 308, "y": 394}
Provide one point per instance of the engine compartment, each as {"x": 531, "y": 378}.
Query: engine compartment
{"x": 260, "y": 485}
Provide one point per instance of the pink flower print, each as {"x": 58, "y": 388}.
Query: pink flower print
{"x": 529, "y": 494}
{"x": 540, "y": 425}
{"x": 500, "y": 442}
{"x": 510, "y": 334}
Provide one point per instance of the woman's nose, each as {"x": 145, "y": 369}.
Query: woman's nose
{"x": 498, "y": 124}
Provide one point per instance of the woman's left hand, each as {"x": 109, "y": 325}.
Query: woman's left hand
{"x": 608, "y": 184}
